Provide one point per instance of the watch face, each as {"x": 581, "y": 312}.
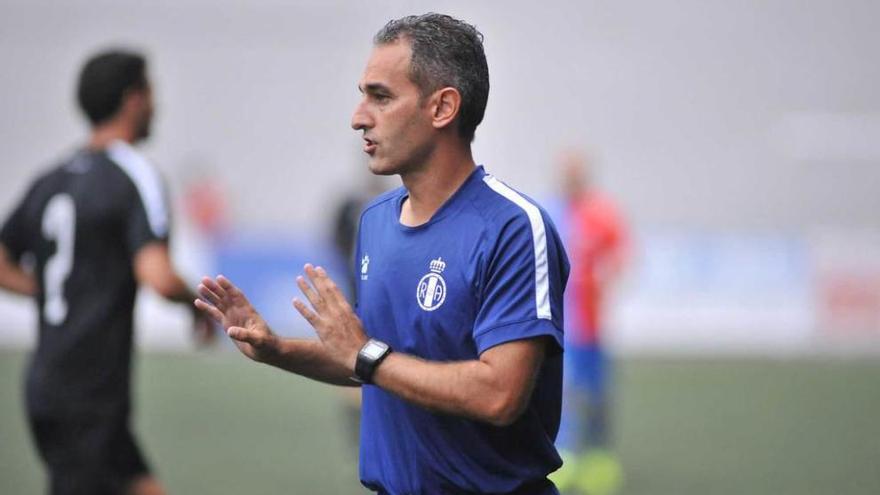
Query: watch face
{"x": 373, "y": 350}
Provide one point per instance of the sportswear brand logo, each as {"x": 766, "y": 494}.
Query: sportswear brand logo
{"x": 431, "y": 291}
{"x": 365, "y": 265}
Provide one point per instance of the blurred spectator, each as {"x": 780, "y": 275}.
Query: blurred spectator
{"x": 205, "y": 203}
{"x": 595, "y": 238}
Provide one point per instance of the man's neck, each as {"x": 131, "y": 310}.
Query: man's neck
{"x": 435, "y": 183}
{"x": 105, "y": 134}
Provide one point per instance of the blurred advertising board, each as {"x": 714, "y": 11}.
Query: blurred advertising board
{"x": 692, "y": 292}
{"x": 847, "y": 282}
{"x": 684, "y": 292}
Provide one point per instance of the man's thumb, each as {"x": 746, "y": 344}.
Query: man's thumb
{"x": 242, "y": 335}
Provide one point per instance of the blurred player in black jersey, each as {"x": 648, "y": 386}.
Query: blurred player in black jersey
{"x": 96, "y": 226}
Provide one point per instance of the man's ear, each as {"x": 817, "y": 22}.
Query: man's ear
{"x": 445, "y": 107}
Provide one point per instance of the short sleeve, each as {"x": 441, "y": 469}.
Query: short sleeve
{"x": 521, "y": 296}
{"x": 146, "y": 209}
{"x": 139, "y": 229}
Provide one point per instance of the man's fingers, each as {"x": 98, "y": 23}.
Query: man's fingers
{"x": 244, "y": 335}
{"x": 310, "y": 272}
{"x": 214, "y": 287}
{"x": 319, "y": 279}
{"x": 310, "y": 293}
{"x": 307, "y": 313}
{"x": 209, "y": 295}
{"x": 229, "y": 287}
{"x": 322, "y": 283}
{"x": 209, "y": 310}
{"x": 329, "y": 290}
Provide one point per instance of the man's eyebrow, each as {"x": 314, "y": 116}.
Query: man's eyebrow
{"x": 373, "y": 88}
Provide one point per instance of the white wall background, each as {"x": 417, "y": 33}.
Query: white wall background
{"x": 687, "y": 102}
{"x": 747, "y": 116}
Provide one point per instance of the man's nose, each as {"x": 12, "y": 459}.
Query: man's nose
{"x": 360, "y": 119}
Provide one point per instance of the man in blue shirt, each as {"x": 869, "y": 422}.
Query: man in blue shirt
{"x": 457, "y": 335}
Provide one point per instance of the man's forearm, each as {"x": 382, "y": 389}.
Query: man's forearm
{"x": 461, "y": 388}
{"x": 13, "y": 278}
{"x": 494, "y": 391}
{"x": 18, "y": 281}
{"x": 309, "y": 359}
{"x": 153, "y": 268}
{"x": 179, "y": 292}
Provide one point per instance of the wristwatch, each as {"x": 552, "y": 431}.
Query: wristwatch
{"x": 368, "y": 359}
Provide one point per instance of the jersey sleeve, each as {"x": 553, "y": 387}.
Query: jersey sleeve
{"x": 146, "y": 205}
{"x": 146, "y": 217}
{"x": 15, "y": 235}
{"x": 523, "y": 283}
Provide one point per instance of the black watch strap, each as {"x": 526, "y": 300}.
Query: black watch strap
{"x": 368, "y": 359}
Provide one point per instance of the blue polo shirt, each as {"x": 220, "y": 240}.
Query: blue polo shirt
{"x": 488, "y": 268}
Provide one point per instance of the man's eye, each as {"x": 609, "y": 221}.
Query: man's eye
{"x": 381, "y": 97}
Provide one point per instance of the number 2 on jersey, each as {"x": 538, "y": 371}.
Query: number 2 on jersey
{"x": 59, "y": 224}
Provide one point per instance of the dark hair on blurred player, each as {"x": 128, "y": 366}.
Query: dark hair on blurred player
{"x": 106, "y": 79}
{"x": 97, "y": 226}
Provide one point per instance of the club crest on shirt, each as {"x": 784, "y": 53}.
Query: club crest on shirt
{"x": 431, "y": 291}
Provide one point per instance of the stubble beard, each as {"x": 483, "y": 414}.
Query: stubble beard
{"x": 417, "y": 160}
{"x": 143, "y": 130}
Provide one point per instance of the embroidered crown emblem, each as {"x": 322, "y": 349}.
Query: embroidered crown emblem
{"x": 438, "y": 265}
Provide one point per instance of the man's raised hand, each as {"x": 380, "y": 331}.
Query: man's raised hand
{"x": 228, "y": 306}
{"x": 333, "y": 319}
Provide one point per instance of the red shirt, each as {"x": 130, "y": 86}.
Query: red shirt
{"x": 596, "y": 241}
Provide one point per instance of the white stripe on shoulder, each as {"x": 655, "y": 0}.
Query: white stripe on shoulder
{"x": 147, "y": 181}
{"x": 539, "y": 237}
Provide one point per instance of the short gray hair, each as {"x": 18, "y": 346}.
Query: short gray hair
{"x": 445, "y": 52}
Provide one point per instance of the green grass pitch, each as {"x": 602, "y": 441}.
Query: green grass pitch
{"x": 217, "y": 424}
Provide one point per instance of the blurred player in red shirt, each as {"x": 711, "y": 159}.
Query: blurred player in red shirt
{"x": 595, "y": 238}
